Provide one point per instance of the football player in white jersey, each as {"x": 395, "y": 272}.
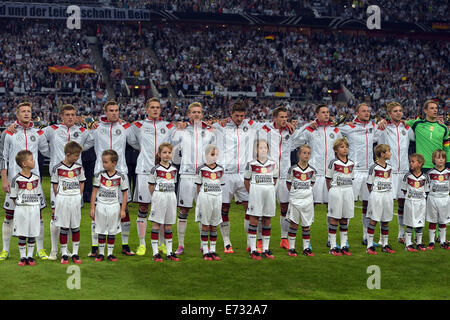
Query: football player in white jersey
{"x": 26, "y": 137}
{"x": 149, "y": 133}
{"x": 191, "y": 142}
{"x": 235, "y": 138}
{"x": 397, "y": 135}
{"x": 360, "y": 134}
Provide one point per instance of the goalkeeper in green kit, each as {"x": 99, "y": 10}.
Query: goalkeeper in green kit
{"x": 430, "y": 135}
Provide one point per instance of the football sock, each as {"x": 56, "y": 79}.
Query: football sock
{"x": 7, "y": 230}
{"x": 168, "y": 241}
{"x": 432, "y": 231}
{"x": 252, "y": 229}
{"x": 40, "y": 237}
{"x": 155, "y": 239}
{"x": 225, "y": 229}
{"x": 344, "y": 235}
{"x": 75, "y": 240}
{"x": 63, "y": 235}
{"x": 22, "y": 247}
{"x": 101, "y": 244}
{"x": 384, "y": 235}
{"x": 94, "y": 236}
{"x": 443, "y": 233}
{"x": 292, "y": 235}
{"x": 181, "y": 228}
{"x": 284, "y": 224}
{"x": 370, "y": 235}
{"x": 141, "y": 223}
{"x": 54, "y": 235}
{"x": 332, "y": 229}
{"x": 204, "y": 237}
{"x": 306, "y": 236}
{"x": 212, "y": 241}
{"x": 408, "y": 236}
{"x": 30, "y": 247}
{"x": 266, "y": 237}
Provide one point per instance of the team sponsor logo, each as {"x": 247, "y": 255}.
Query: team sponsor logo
{"x": 163, "y": 131}
{"x": 245, "y": 129}
{"x": 404, "y": 132}
{"x": 76, "y": 135}
{"x": 331, "y": 135}
{"x": 118, "y": 132}
{"x": 33, "y": 138}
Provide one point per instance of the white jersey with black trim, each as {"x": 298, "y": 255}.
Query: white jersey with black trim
{"x": 301, "y": 181}
{"x": 25, "y": 138}
{"x": 380, "y": 178}
{"x": 112, "y": 135}
{"x": 68, "y": 178}
{"x": 439, "y": 182}
{"x": 361, "y": 137}
{"x": 341, "y": 173}
{"x": 109, "y": 187}
{"x": 321, "y": 141}
{"x": 415, "y": 187}
{"x": 210, "y": 179}
{"x": 280, "y": 146}
{"x": 236, "y": 144}
{"x": 397, "y": 137}
{"x": 163, "y": 178}
{"x": 261, "y": 173}
{"x": 150, "y": 134}
{"x": 58, "y": 135}
{"x": 26, "y": 190}
{"x": 192, "y": 142}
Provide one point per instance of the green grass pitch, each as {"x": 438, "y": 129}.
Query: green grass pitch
{"x": 403, "y": 275}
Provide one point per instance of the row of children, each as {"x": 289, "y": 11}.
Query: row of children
{"x": 427, "y": 199}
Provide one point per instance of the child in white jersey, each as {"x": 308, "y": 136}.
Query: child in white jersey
{"x": 25, "y": 192}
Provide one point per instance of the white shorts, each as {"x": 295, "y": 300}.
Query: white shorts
{"x": 141, "y": 190}
{"x": 341, "y": 203}
{"x": 187, "y": 191}
{"x": 320, "y": 190}
{"x": 52, "y": 198}
{"x": 261, "y": 201}
{"x": 208, "y": 209}
{"x": 414, "y": 213}
{"x": 27, "y": 221}
{"x": 301, "y": 211}
{"x": 10, "y": 205}
{"x": 381, "y": 206}
{"x": 164, "y": 208}
{"x": 438, "y": 210}
{"x": 397, "y": 180}
{"x": 234, "y": 186}
{"x": 68, "y": 211}
{"x": 107, "y": 218}
{"x": 282, "y": 191}
{"x": 360, "y": 186}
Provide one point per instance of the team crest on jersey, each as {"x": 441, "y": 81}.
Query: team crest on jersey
{"x": 245, "y": 128}
{"x": 76, "y": 135}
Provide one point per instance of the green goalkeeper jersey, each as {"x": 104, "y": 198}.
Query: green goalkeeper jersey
{"x": 430, "y": 136}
